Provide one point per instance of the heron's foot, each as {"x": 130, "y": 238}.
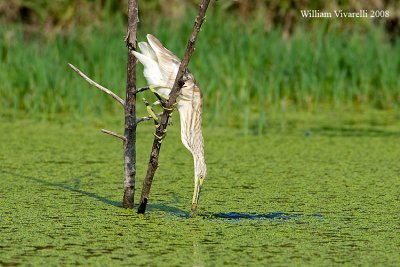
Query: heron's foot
{"x": 169, "y": 109}
{"x": 161, "y": 137}
{"x": 172, "y": 108}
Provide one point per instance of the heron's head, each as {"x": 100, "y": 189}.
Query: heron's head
{"x": 198, "y": 184}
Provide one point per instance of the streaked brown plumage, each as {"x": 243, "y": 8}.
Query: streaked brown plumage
{"x": 160, "y": 69}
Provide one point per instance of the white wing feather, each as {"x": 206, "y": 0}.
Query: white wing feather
{"x": 168, "y": 63}
{"x": 151, "y": 70}
{"x": 146, "y": 50}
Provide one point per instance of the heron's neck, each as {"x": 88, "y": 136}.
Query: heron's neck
{"x": 200, "y": 168}
{"x": 190, "y": 111}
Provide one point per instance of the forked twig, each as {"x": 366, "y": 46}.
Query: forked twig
{"x": 98, "y": 86}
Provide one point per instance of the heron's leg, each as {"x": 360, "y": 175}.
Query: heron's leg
{"x": 161, "y": 98}
{"x": 159, "y": 103}
{"x": 161, "y": 137}
{"x": 157, "y": 94}
{"x": 153, "y": 115}
{"x": 142, "y": 89}
{"x": 151, "y": 111}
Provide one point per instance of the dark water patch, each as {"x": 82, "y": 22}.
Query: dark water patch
{"x": 236, "y": 216}
{"x": 316, "y": 216}
{"x": 297, "y": 216}
{"x": 272, "y": 216}
{"x": 169, "y": 209}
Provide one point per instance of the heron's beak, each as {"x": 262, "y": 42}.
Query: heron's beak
{"x": 196, "y": 194}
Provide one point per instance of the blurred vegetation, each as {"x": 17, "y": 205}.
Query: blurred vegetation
{"x": 248, "y": 61}
{"x": 59, "y": 15}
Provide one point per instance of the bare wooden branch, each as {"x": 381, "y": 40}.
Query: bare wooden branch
{"x": 130, "y": 109}
{"x": 143, "y": 119}
{"x": 98, "y": 86}
{"x": 113, "y": 134}
{"x": 161, "y": 130}
{"x": 179, "y": 80}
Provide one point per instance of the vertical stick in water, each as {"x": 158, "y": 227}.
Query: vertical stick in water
{"x": 130, "y": 109}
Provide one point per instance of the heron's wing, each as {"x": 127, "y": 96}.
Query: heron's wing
{"x": 151, "y": 70}
{"x": 167, "y": 61}
{"x": 146, "y": 50}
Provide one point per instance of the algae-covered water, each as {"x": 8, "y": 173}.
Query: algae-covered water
{"x": 306, "y": 193}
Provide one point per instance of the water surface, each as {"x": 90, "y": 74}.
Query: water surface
{"x": 315, "y": 195}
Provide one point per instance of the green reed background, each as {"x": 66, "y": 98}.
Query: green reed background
{"x": 244, "y": 71}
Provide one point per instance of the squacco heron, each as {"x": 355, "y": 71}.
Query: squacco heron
{"x": 160, "y": 70}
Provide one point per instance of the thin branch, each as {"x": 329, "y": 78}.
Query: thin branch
{"x": 143, "y": 119}
{"x": 179, "y": 80}
{"x": 147, "y": 118}
{"x": 123, "y": 138}
{"x": 161, "y": 129}
{"x": 98, "y": 86}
